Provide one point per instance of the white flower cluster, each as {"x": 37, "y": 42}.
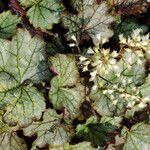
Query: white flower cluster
{"x": 127, "y": 91}
{"x": 101, "y": 62}
{"x": 137, "y": 43}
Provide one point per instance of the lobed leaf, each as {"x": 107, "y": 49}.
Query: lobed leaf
{"x": 22, "y": 59}
{"x": 119, "y": 88}
{"x": 92, "y": 19}
{"x": 8, "y": 24}
{"x": 43, "y": 13}
{"x": 49, "y": 131}
{"x": 145, "y": 88}
{"x": 22, "y": 106}
{"x": 66, "y": 91}
{"x": 9, "y": 139}
{"x": 96, "y": 133}
{"x": 137, "y": 138}
{"x": 80, "y": 146}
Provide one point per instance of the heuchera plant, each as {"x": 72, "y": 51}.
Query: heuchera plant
{"x": 74, "y": 75}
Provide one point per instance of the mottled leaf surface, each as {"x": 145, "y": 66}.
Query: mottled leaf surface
{"x": 137, "y": 138}
{"x": 49, "y": 131}
{"x": 8, "y": 24}
{"x": 91, "y": 18}
{"x": 145, "y": 88}
{"x": 104, "y": 105}
{"x": 66, "y": 91}
{"x": 43, "y": 13}
{"x": 23, "y": 105}
{"x": 119, "y": 86}
{"x": 9, "y": 139}
{"x": 115, "y": 121}
{"x": 22, "y": 59}
{"x": 80, "y": 146}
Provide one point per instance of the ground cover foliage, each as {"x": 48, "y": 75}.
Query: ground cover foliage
{"x": 74, "y": 75}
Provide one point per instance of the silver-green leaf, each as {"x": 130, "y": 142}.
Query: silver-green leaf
{"x": 49, "y": 131}
{"x": 9, "y": 139}
{"x": 8, "y": 24}
{"x": 137, "y": 138}
{"x": 80, "y": 146}
{"x": 21, "y": 60}
{"x": 66, "y": 91}
{"x": 145, "y": 88}
{"x": 118, "y": 91}
{"x": 92, "y": 18}
{"x": 43, "y": 13}
{"x": 23, "y": 105}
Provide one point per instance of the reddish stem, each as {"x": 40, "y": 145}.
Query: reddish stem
{"x": 19, "y": 10}
{"x": 15, "y": 6}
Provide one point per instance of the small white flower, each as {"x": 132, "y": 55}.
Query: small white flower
{"x": 104, "y": 40}
{"x": 139, "y": 62}
{"x": 86, "y": 63}
{"x": 118, "y": 74}
{"x": 136, "y": 34}
{"x": 121, "y": 90}
{"x": 134, "y": 88}
{"x": 145, "y": 38}
{"x": 115, "y": 86}
{"x": 128, "y": 50}
{"x": 139, "y": 53}
{"x": 73, "y": 38}
{"x": 146, "y": 99}
{"x": 115, "y": 102}
{"x": 93, "y": 75}
{"x": 72, "y": 45}
{"x": 99, "y": 37}
{"x": 97, "y": 62}
{"x": 130, "y": 104}
{"x": 122, "y": 95}
{"x": 112, "y": 97}
{"x": 110, "y": 91}
{"x": 94, "y": 88}
{"x": 81, "y": 58}
{"x": 104, "y": 91}
{"x": 116, "y": 68}
{"x": 105, "y": 72}
{"x": 137, "y": 42}
{"x": 133, "y": 97}
{"x": 112, "y": 61}
{"x": 141, "y": 105}
{"x": 85, "y": 68}
{"x": 114, "y": 54}
{"x": 90, "y": 51}
{"x": 122, "y": 39}
{"x": 102, "y": 62}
